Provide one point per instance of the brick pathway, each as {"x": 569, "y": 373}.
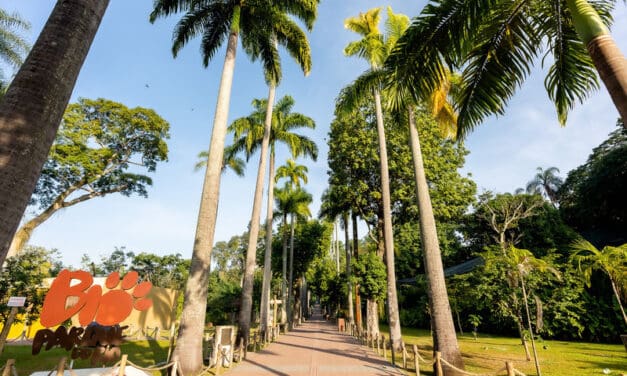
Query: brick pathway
{"x": 316, "y": 348}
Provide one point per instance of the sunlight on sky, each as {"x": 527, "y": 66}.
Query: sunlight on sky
{"x": 130, "y": 61}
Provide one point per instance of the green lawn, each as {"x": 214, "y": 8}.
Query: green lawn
{"x": 142, "y": 353}
{"x": 489, "y": 353}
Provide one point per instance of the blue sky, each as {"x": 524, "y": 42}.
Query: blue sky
{"x": 130, "y": 62}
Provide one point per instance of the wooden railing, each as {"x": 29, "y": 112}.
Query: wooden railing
{"x": 412, "y": 360}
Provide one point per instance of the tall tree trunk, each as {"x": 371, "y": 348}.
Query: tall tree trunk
{"x": 372, "y": 318}
{"x": 388, "y": 236}
{"x": 356, "y": 253}
{"x": 284, "y": 271}
{"x": 251, "y": 254}
{"x": 22, "y": 236}
{"x": 267, "y": 262}
{"x": 32, "y": 108}
{"x": 445, "y": 338}
{"x": 606, "y": 56}
{"x": 533, "y": 341}
{"x": 620, "y": 303}
{"x": 347, "y": 246}
{"x": 189, "y": 341}
{"x": 290, "y": 283}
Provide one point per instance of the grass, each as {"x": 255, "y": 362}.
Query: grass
{"x": 489, "y": 353}
{"x": 142, "y": 353}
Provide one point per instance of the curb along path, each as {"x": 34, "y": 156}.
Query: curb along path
{"x": 314, "y": 348}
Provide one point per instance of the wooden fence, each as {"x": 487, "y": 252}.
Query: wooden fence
{"x": 412, "y": 360}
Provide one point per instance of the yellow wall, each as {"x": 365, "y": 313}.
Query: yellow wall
{"x": 161, "y": 314}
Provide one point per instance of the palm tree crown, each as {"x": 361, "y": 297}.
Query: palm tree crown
{"x": 261, "y": 24}
{"x": 248, "y": 131}
{"x": 547, "y": 183}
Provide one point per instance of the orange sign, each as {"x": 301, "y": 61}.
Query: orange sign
{"x": 100, "y": 313}
{"x": 107, "y": 309}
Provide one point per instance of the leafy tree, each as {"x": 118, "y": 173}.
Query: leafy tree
{"x": 546, "y": 183}
{"x": 32, "y": 108}
{"x": 12, "y": 46}
{"x": 169, "y": 271}
{"x": 98, "y": 142}
{"x": 371, "y": 275}
{"x": 496, "y": 43}
{"x": 23, "y": 275}
{"x": 610, "y": 260}
{"x": 592, "y": 199}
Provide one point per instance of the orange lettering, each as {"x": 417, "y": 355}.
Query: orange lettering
{"x": 54, "y": 310}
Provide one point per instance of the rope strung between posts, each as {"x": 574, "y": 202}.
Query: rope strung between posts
{"x": 471, "y": 373}
{"x": 151, "y": 368}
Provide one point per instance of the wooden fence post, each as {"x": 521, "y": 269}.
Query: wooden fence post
{"x": 61, "y": 366}
{"x": 218, "y": 361}
{"x": 378, "y": 345}
{"x": 438, "y": 363}
{"x": 510, "y": 369}
{"x": 7, "y": 367}
{"x": 385, "y": 352}
{"x": 122, "y": 365}
{"x": 173, "y": 371}
{"x": 416, "y": 360}
{"x": 404, "y": 349}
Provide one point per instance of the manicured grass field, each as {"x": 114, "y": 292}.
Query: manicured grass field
{"x": 489, "y": 353}
{"x": 142, "y": 353}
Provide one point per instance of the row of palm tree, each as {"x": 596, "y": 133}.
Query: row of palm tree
{"x": 249, "y": 134}
{"x": 495, "y": 41}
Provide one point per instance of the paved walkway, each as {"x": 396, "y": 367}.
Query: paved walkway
{"x": 316, "y": 348}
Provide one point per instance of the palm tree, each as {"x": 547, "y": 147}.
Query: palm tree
{"x": 546, "y": 183}
{"x": 498, "y": 41}
{"x": 12, "y": 46}
{"x": 439, "y": 105}
{"x": 249, "y": 133}
{"x": 32, "y": 108}
{"x": 521, "y": 263}
{"x": 295, "y": 173}
{"x": 230, "y": 162}
{"x": 374, "y": 47}
{"x": 262, "y": 25}
{"x": 610, "y": 260}
{"x": 295, "y": 203}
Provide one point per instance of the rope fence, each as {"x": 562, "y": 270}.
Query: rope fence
{"x": 380, "y": 345}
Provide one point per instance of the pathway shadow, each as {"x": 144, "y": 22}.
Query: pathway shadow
{"x": 269, "y": 369}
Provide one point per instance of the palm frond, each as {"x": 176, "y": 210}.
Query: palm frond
{"x": 290, "y": 36}
{"x": 497, "y": 66}
{"x": 572, "y": 77}
{"x": 352, "y": 96}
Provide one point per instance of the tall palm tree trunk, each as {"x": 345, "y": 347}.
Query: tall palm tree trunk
{"x": 347, "y": 247}
{"x": 445, "y": 339}
{"x": 620, "y": 303}
{"x": 251, "y": 254}
{"x": 284, "y": 272}
{"x": 356, "y": 253}
{"x": 606, "y": 56}
{"x": 189, "y": 341}
{"x": 290, "y": 318}
{"x": 533, "y": 341}
{"x": 267, "y": 261}
{"x": 32, "y": 108}
{"x": 388, "y": 237}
